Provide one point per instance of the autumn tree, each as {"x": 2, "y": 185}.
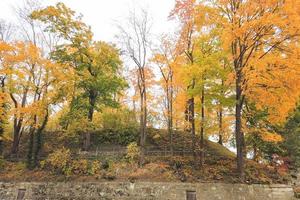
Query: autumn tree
{"x": 205, "y": 70}
{"x": 262, "y": 40}
{"x": 31, "y": 32}
{"x": 135, "y": 40}
{"x": 262, "y": 138}
{"x": 184, "y": 11}
{"x": 167, "y": 58}
{"x": 6, "y": 30}
{"x": 209, "y": 75}
{"x": 33, "y": 84}
{"x": 4, "y": 48}
{"x": 96, "y": 64}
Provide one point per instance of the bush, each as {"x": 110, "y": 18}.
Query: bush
{"x": 118, "y": 126}
{"x": 122, "y": 136}
{"x": 133, "y": 152}
{"x": 95, "y": 167}
{"x": 79, "y": 167}
{"x": 58, "y": 161}
{"x": 61, "y": 162}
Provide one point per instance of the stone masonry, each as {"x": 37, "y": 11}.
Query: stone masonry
{"x": 142, "y": 191}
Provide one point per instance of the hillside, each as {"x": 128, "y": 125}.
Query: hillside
{"x": 219, "y": 164}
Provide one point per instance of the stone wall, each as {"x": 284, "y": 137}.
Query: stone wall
{"x": 142, "y": 191}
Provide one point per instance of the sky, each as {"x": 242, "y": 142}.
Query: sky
{"x": 102, "y": 15}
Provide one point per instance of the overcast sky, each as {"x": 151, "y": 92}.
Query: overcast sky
{"x": 102, "y": 15}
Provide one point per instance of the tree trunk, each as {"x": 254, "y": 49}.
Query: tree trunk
{"x": 143, "y": 123}
{"x": 221, "y": 115}
{"x": 171, "y": 119}
{"x": 87, "y": 136}
{"x": 202, "y": 128}
{"x": 255, "y": 156}
{"x": 142, "y": 132}
{"x": 38, "y": 143}
{"x": 30, "y": 148}
{"x": 16, "y": 138}
{"x": 170, "y": 114}
{"x": 191, "y": 107}
{"x": 240, "y": 143}
{"x": 220, "y": 125}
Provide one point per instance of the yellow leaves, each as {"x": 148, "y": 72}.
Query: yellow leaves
{"x": 274, "y": 83}
{"x": 5, "y": 47}
{"x": 3, "y": 100}
{"x": 271, "y": 137}
{"x": 264, "y": 38}
{"x": 62, "y": 20}
{"x": 31, "y": 81}
{"x": 265, "y": 134}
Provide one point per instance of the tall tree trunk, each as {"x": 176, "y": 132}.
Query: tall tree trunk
{"x": 18, "y": 122}
{"x": 92, "y": 102}
{"x": 220, "y": 113}
{"x": 193, "y": 129}
{"x": 171, "y": 118}
{"x": 16, "y": 137}
{"x": 220, "y": 125}
{"x": 255, "y": 155}
{"x": 38, "y": 140}
{"x": 240, "y": 143}
{"x": 169, "y": 98}
{"x": 190, "y": 118}
{"x": 143, "y": 122}
{"x": 202, "y": 128}
{"x": 29, "y": 161}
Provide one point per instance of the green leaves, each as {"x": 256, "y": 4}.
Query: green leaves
{"x": 96, "y": 64}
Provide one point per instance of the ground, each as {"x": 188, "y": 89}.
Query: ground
{"x": 220, "y": 166}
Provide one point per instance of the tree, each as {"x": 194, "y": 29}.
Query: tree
{"x": 4, "y": 50}
{"x": 6, "y": 30}
{"x": 30, "y": 32}
{"x": 184, "y": 10}
{"x": 262, "y": 137}
{"x": 135, "y": 38}
{"x": 262, "y": 39}
{"x": 33, "y": 83}
{"x": 206, "y": 70}
{"x": 97, "y": 64}
{"x": 167, "y": 59}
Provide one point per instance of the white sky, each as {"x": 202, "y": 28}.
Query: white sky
{"x": 102, "y": 15}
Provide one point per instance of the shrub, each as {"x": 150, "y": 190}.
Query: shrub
{"x": 95, "y": 167}
{"x": 116, "y": 136}
{"x": 118, "y": 126}
{"x": 58, "y": 161}
{"x": 61, "y": 162}
{"x": 79, "y": 167}
{"x": 133, "y": 152}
